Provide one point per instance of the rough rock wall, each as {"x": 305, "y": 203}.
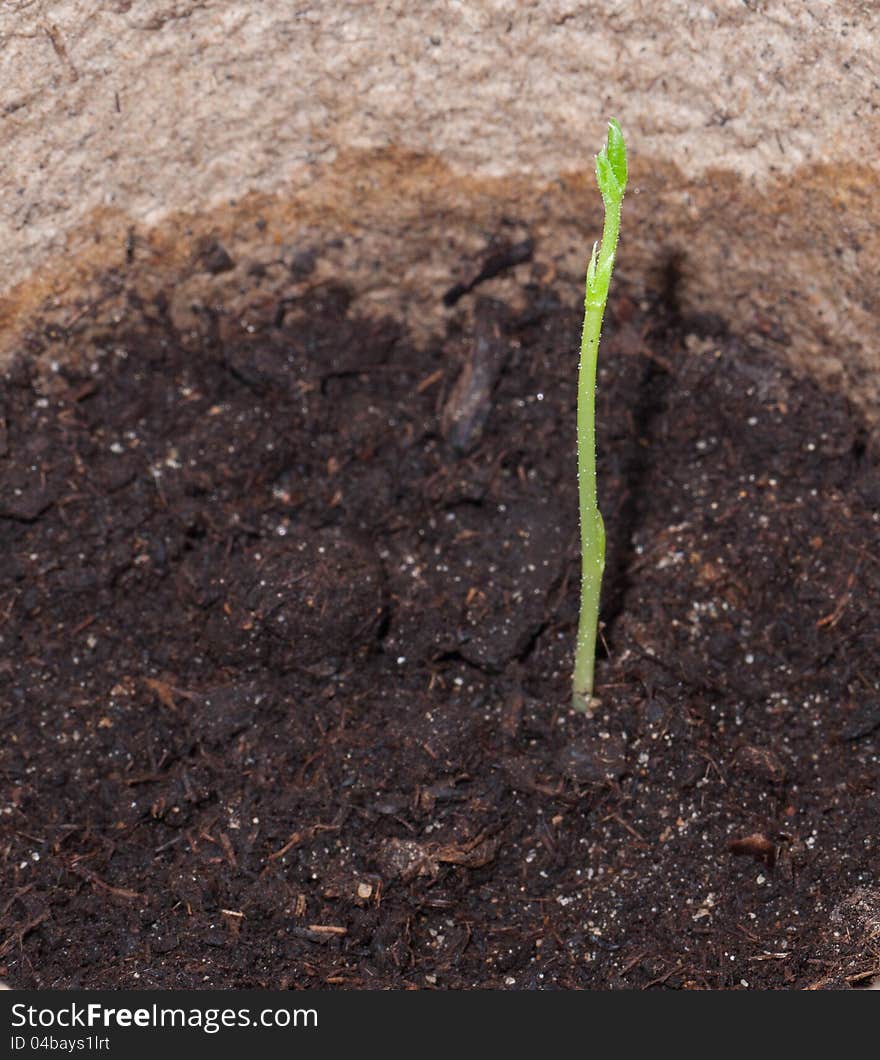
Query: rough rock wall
{"x": 136, "y": 133}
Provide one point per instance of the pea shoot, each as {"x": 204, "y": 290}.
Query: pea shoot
{"x": 611, "y": 174}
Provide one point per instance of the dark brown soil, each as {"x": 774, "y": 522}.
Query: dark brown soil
{"x": 287, "y": 610}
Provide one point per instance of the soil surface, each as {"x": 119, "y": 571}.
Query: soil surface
{"x": 287, "y": 611}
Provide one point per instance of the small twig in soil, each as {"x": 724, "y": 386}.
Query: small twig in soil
{"x": 19, "y": 934}
{"x": 299, "y": 837}
{"x": 20, "y": 893}
{"x": 502, "y": 259}
{"x": 623, "y": 824}
{"x": 96, "y": 881}
{"x": 168, "y": 845}
{"x": 832, "y": 618}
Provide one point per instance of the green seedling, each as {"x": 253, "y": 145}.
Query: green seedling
{"x": 611, "y": 177}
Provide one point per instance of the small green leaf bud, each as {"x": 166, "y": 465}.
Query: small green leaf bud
{"x": 616, "y": 153}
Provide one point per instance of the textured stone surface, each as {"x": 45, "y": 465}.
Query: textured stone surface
{"x": 414, "y": 132}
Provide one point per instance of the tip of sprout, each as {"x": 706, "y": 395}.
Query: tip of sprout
{"x": 611, "y": 168}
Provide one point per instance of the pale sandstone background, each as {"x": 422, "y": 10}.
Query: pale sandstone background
{"x": 411, "y": 133}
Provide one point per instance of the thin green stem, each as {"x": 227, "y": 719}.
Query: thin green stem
{"x": 611, "y": 175}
